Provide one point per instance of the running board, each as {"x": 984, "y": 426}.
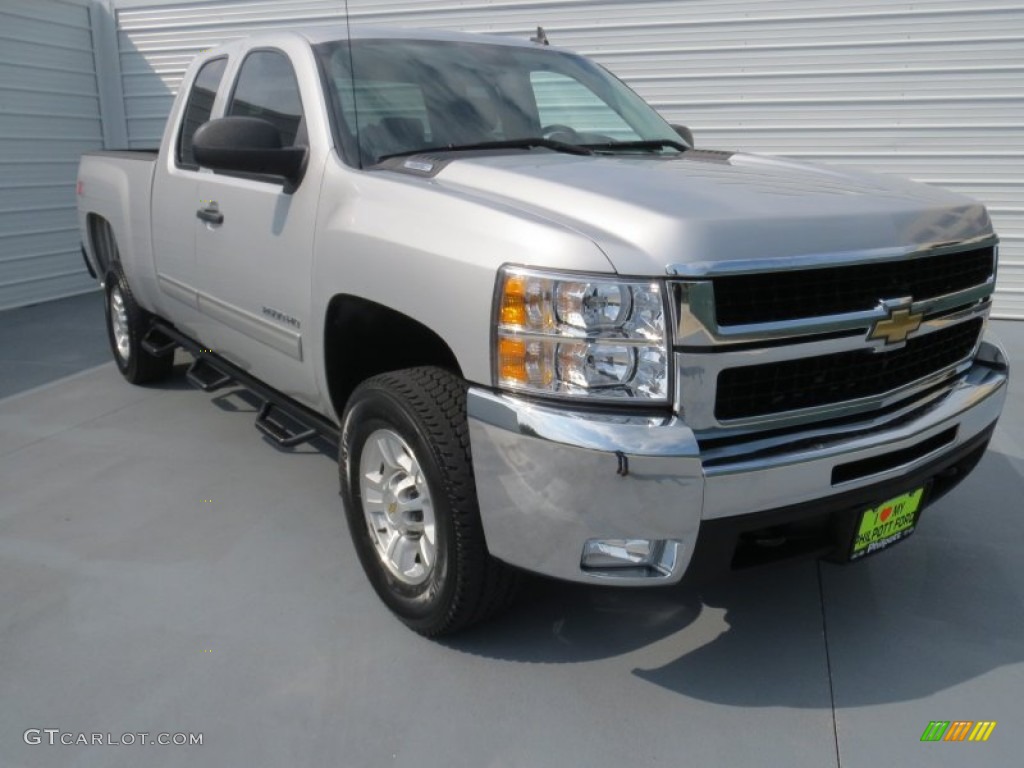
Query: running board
{"x": 284, "y": 421}
{"x": 158, "y": 344}
{"x": 208, "y": 377}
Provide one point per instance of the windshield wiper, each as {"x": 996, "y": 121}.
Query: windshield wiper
{"x": 642, "y": 144}
{"x": 557, "y": 146}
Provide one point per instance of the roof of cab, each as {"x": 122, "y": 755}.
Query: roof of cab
{"x": 340, "y": 32}
{"x": 331, "y": 33}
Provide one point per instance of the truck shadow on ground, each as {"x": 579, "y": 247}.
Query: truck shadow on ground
{"x": 941, "y": 609}
{"x": 556, "y": 622}
{"x": 176, "y": 381}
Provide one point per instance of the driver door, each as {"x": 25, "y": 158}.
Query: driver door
{"x": 255, "y": 245}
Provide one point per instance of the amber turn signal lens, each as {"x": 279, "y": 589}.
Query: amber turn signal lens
{"x": 512, "y": 361}
{"x": 513, "y": 301}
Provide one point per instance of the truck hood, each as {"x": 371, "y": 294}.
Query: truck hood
{"x": 648, "y": 212}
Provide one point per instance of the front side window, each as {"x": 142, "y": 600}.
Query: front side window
{"x": 398, "y": 96}
{"x": 198, "y": 107}
{"x": 267, "y": 88}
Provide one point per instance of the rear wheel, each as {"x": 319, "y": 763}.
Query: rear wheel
{"x": 410, "y": 500}
{"x": 127, "y": 324}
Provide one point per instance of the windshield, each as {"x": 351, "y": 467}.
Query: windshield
{"x": 398, "y": 96}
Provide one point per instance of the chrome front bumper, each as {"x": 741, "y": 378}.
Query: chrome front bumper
{"x": 550, "y": 479}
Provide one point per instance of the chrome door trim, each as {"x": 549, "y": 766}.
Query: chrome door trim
{"x": 178, "y": 290}
{"x": 282, "y": 339}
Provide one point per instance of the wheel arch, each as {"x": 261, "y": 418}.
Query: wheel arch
{"x": 363, "y": 338}
{"x": 102, "y": 243}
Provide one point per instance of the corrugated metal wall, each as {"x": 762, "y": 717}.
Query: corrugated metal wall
{"x": 49, "y": 115}
{"x": 931, "y": 89}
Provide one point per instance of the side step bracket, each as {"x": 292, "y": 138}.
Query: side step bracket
{"x": 158, "y": 344}
{"x": 205, "y": 376}
{"x": 286, "y": 432}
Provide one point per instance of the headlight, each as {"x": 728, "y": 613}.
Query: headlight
{"x": 592, "y": 338}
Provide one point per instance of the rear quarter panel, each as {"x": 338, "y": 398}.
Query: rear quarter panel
{"x": 117, "y": 187}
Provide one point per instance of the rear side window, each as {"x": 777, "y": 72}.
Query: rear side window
{"x": 267, "y": 88}
{"x": 198, "y": 107}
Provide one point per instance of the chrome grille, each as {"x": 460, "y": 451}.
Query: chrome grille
{"x": 800, "y": 369}
{"x": 776, "y": 296}
{"x": 790, "y": 385}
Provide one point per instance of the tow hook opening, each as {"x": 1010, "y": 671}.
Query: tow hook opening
{"x": 781, "y": 542}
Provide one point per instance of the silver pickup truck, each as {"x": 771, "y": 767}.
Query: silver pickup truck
{"x": 547, "y": 333}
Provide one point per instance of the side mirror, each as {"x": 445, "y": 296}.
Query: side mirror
{"x": 248, "y": 145}
{"x": 685, "y": 134}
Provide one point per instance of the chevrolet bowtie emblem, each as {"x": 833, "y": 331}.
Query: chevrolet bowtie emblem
{"x": 900, "y": 324}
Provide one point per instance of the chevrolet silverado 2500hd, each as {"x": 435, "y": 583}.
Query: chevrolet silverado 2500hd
{"x": 547, "y": 332}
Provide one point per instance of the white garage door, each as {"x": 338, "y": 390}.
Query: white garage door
{"x": 931, "y": 89}
{"x": 49, "y": 115}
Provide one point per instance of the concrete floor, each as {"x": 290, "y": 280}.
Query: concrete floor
{"x": 48, "y": 341}
{"x": 164, "y": 569}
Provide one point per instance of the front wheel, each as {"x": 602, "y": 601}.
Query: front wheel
{"x": 410, "y": 500}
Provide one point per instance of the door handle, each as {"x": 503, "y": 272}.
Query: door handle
{"x": 211, "y": 214}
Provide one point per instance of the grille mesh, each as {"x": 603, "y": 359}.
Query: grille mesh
{"x": 777, "y": 296}
{"x": 758, "y": 390}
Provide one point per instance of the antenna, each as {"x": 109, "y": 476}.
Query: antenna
{"x": 541, "y": 38}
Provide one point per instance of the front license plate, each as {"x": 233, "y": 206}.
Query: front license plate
{"x": 889, "y": 522}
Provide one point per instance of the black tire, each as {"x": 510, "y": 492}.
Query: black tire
{"x": 426, "y": 407}
{"x": 136, "y": 364}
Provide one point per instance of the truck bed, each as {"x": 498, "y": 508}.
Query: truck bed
{"x": 148, "y": 155}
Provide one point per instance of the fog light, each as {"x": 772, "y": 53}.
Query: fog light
{"x": 619, "y": 553}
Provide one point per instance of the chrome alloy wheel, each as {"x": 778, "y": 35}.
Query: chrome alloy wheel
{"x": 398, "y": 508}
{"x": 119, "y": 324}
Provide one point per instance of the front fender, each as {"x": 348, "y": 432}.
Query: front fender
{"x": 430, "y": 253}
